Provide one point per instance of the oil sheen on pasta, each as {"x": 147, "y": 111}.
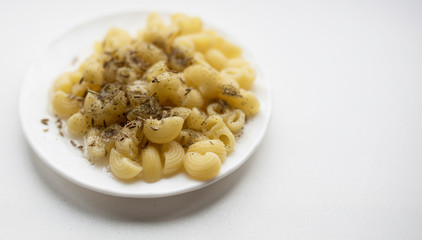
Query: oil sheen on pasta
{"x": 173, "y": 97}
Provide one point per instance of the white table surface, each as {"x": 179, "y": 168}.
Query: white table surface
{"x": 342, "y": 158}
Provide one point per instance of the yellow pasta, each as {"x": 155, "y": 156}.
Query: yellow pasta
{"x": 63, "y": 105}
{"x": 185, "y": 44}
{"x": 155, "y": 31}
{"x": 204, "y": 78}
{"x": 215, "y": 128}
{"x": 227, "y": 82}
{"x": 163, "y": 131}
{"x": 137, "y": 94}
{"x": 108, "y": 137}
{"x": 96, "y": 148}
{"x": 182, "y": 112}
{"x": 199, "y": 59}
{"x": 192, "y": 98}
{"x": 244, "y": 75}
{"x": 235, "y": 120}
{"x": 165, "y": 87}
{"x": 231, "y": 73}
{"x": 244, "y": 100}
{"x": 105, "y": 107}
{"x": 248, "y": 77}
{"x": 170, "y": 98}
{"x": 201, "y": 41}
{"x": 127, "y": 142}
{"x": 125, "y": 75}
{"x": 116, "y": 38}
{"x": 93, "y": 73}
{"x": 151, "y": 164}
{"x": 80, "y": 89}
{"x": 123, "y": 167}
{"x": 155, "y": 70}
{"x": 218, "y": 109}
{"x": 149, "y": 53}
{"x": 195, "y": 119}
{"x": 187, "y": 137}
{"x": 98, "y": 47}
{"x": 66, "y": 81}
{"x": 202, "y": 167}
{"x": 173, "y": 154}
{"x": 229, "y": 49}
{"x": 90, "y": 59}
{"x": 78, "y": 124}
{"x": 186, "y": 24}
{"x": 237, "y": 62}
{"x": 215, "y": 146}
{"x": 216, "y": 58}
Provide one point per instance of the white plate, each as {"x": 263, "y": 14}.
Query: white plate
{"x": 61, "y": 156}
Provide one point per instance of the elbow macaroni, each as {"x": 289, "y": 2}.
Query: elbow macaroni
{"x": 151, "y": 164}
{"x": 123, "y": 167}
{"x": 63, "y": 105}
{"x": 163, "y": 131}
{"x": 173, "y": 154}
{"x": 202, "y": 167}
{"x": 171, "y": 98}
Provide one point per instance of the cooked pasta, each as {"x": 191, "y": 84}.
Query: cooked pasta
{"x": 185, "y": 44}
{"x": 235, "y": 120}
{"x": 248, "y": 77}
{"x": 96, "y": 148}
{"x": 78, "y": 124}
{"x": 202, "y": 167}
{"x": 123, "y": 167}
{"x": 218, "y": 109}
{"x": 116, "y": 38}
{"x": 149, "y": 53}
{"x": 107, "y": 106}
{"x": 151, "y": 164}
{"x": 128, "y": 139}
{"x": 244, "y": 75}
{"x": 155, "y": 30}
{"x": 165, "y": 87}
{"x": 195, "y": 119}
{"x": 66, "y": 81}
{"x": 172, "y": 97}
{"x": 163, "y": 131}
{"x": 216, "y": 58}
{"x": 201, "y": 41}
{"x": 79, "y": 90}
{"x": 193, "y": 98}
{"x": 93, "y": 73}
{"x": 155, "y": 70}
{"x": 188, "y": 136}
{"x": 182, "y": 112}
{"x": 215, "y": 146}
{"x": 204, "y": 78}
{"x": 173, "y": 154}
{"x": 137, "y": 94}
{"x": 186, "y": 24}
{"x": 245, "y": 101}
{"x": 63, "y": 105}
{"x": 229, "y": 49}
{"x": 215, "y": 128}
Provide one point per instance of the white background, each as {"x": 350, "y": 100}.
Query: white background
{"x": 342, "y": 158}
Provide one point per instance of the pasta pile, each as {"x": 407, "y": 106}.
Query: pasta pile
{"x": 172, "y": 98}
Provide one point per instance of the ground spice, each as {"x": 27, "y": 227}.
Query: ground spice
{"x": 45, "y": 121}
